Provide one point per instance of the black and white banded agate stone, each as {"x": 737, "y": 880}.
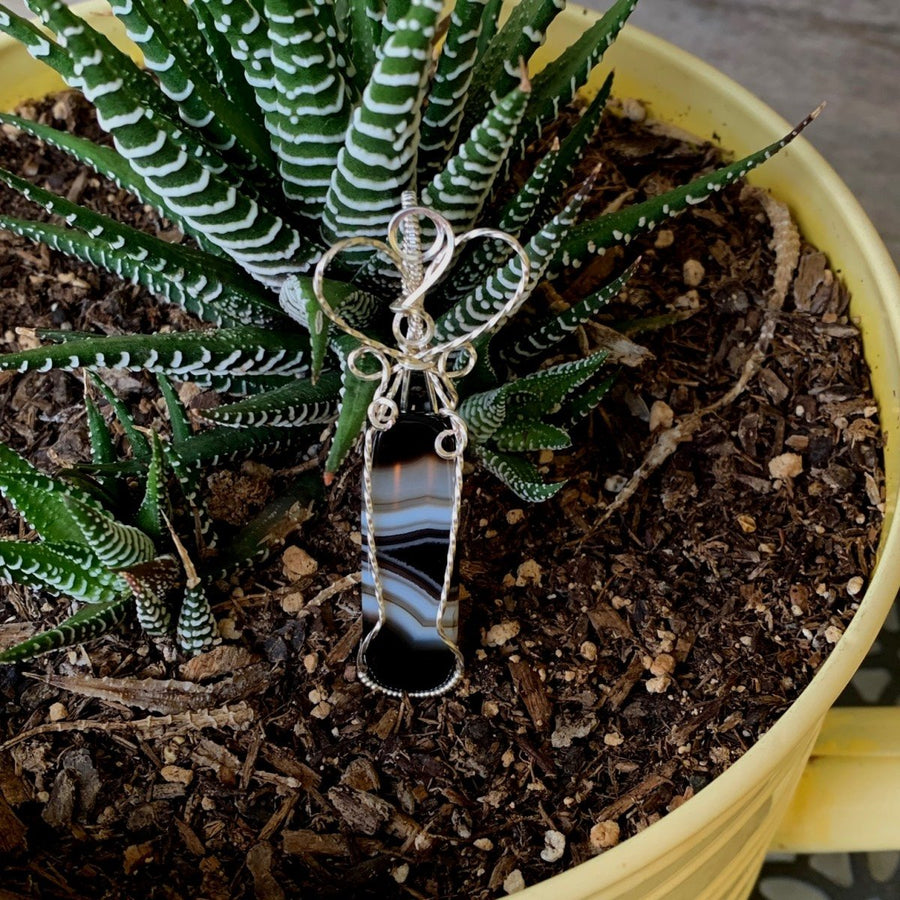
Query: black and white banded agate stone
{"x": 412, "y": 498}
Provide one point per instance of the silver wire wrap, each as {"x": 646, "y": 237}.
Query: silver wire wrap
{"x": 413, "y": 330}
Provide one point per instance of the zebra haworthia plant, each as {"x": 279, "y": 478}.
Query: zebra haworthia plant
{"x": 102, "y": 546}
{"x": 267, "y": 130}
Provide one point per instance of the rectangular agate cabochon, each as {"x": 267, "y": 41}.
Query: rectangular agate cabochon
{"x": 412, "y": 499}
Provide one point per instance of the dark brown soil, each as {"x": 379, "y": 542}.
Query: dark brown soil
{"x": 615, "y": 667}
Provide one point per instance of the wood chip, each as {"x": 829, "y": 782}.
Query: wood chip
{"x": 533, "y": 693}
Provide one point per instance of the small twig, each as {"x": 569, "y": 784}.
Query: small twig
{"x": 786, "y": 244}
{"x": 337, "y": 587}
{"x": 237, "y": 716}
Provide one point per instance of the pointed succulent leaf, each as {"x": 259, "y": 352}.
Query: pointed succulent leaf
{"x": 151, "y": 583}
{"x": 482, "y": 258}
{"x": 538, "y": 339}
{"x": 246, "y": 31}
{"x": 40, "y": 499}
{"x": 519, "y": 437}
{"x": 459, "y": 191}
{"x": 84, "y": 45}
{"x": 89, "y": 622}
{"x": 450, "y": 87}
{"x": 109, "y": 77}
{"x": 550, "y": 387}
{"x": 526, "y": 202}
{"x": 594, "y": 237}
{"x": 356, "y": 395}
{"x": 70, "y": 570}
{"x": 200, "y": 103}
{"x": 178, "y": 415}
{"x": 39, "y": 45}
{"x": 365, "y": 18}
{"x": 196, "y": 630}
{"x": 576, "y": 408}
{"x": 223, "y": 444}
{"x": 101, "y": 439}
{"x": 150, "y": 512}
{"x": 298, "y": 299}
{"x": 295, "y": 404}
{"x": 197, "y": 355}
{"x": 140, "y": 446}
{"x": 377, "y": 162}
{"x": 206, "y": 278}
{"x": 486, "y": 300}
{"x": 311, "y": 107}
{"x": 556, "y": 84}
{"x": 490, "y": 22}
{"x": 196, "y": 185}
{"x": 115, "y": 544}
{"x": 518, "y": 474}
{"x": 573, "y": 145}
{"x": 216, "y": 51}
{"x": 484, "y": 414}
{"x": 499, "y": 70}
{"x": 212, "y": 299}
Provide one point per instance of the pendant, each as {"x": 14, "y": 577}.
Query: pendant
{"x": 412, "y": 492}
{"x": 413, "y": 463}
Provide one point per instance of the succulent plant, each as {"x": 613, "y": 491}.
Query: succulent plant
{"x": 101, "y": 545}
{"x": 267, "y": 130}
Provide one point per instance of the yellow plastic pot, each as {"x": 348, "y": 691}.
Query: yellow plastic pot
{"x": 844, "y": 798}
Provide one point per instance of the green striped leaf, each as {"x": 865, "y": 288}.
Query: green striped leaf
{"x": 153, "y": 505}
{"x": 208, "y": 280}
{"x": 486, "y": 300}
{"x": 140, "y": 446}
{"x": 195, "y": 355}
{"x": 378, "y": 160}
{"x": 101, "y": 439}
{"x": 572, "y": 147}
{"x": 200, "y": 103}
{"x": 365, "y": 18}
{"x": 443, "y": 115}
{"x": 216, "y": 52}
{"x": 246, "y": 32}
{"x": 540, "y": 338}
{"x": 459, "y": 191}
{"x": 499, "y": 70}
{"x": 36, "y": 42}
{"x": 593, "y": 238}
{"x": 209, "y": 298}
{"x": 519, "y": 437}
{"x": 194, "y": 184}
{"x": 42, "y": 500}
{"x": 196, "y": 630}
{"x": 311, "y": 107}
{"x": 518, "y": 474}
{"x": 70, "y": 570}
{"x": 108, "y": 163}
{"x": 151, "y": 583}
{"x": 178, "y": 416}
{"x": 555, "y": 86}
{"x": 89, "y": 622}
{"x": 355, "y": 397}
{"x": 295, "y": 404}
{"x": 116, "y": 545}
{"x": 577, "y": 407}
